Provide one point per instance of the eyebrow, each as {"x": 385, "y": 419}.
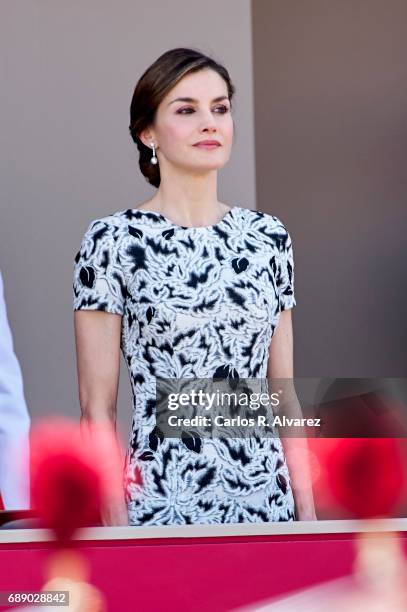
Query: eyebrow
{"x": 218, "y": 99}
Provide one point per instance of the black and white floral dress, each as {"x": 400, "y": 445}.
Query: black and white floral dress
{"x": 196, "y": 302}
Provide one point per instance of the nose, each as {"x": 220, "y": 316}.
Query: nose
{"x": 208, "y": 123}
{"x": 211, "y": 128}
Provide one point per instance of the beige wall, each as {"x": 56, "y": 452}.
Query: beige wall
{"x": 66, "y": 156}
{"x": 331, "y": 151}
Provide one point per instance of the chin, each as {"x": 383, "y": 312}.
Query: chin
{"x": 208, "y": 166}
{"x": 200, "y": 166}
{"x": 202, "y": 169}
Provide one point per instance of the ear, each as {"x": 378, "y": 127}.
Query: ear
{"x": 147, "y": 137}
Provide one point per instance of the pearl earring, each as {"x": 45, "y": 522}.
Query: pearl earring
{"x": 154, "y": 159}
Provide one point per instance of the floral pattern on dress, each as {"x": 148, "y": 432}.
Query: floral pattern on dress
{"x": 196, "y": 302}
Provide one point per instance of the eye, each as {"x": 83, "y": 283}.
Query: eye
{"x": 185, "y": 111}
{"x": 223, "y": 109}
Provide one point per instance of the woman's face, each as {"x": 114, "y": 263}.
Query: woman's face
{"x": 197, "y": 109}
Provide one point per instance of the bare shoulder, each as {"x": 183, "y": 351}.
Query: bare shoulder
{"x": 148, "y": 205}
{"x": 226, "y": 207}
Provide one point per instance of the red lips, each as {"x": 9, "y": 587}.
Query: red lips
{"x": 207, "y": 143}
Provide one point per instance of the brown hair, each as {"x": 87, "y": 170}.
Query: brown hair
{"x": 153, "y": 86}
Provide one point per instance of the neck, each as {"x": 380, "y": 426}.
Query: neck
{"x": 189, "y": 199}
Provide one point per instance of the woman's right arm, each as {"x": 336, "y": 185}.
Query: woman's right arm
{"x": 97, "y": 338}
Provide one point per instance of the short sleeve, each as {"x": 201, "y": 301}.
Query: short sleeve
{"x": 285, "y": 270}
{"x": 99, "y": 282}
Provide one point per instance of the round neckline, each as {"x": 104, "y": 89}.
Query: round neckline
{"x": 186, "y": 227}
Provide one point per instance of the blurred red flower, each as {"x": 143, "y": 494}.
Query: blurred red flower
{"x": 366, "y": 476}
{"x": 72, "y": 472}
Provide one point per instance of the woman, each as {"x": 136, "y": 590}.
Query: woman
{"x": 187, "y": 287}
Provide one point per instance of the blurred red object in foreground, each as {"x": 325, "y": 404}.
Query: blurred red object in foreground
{"x": 74, "y": 471}
{"x": 366, "y": 476}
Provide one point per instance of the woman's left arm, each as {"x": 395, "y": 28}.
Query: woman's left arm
{"x": 280, "y": 365}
